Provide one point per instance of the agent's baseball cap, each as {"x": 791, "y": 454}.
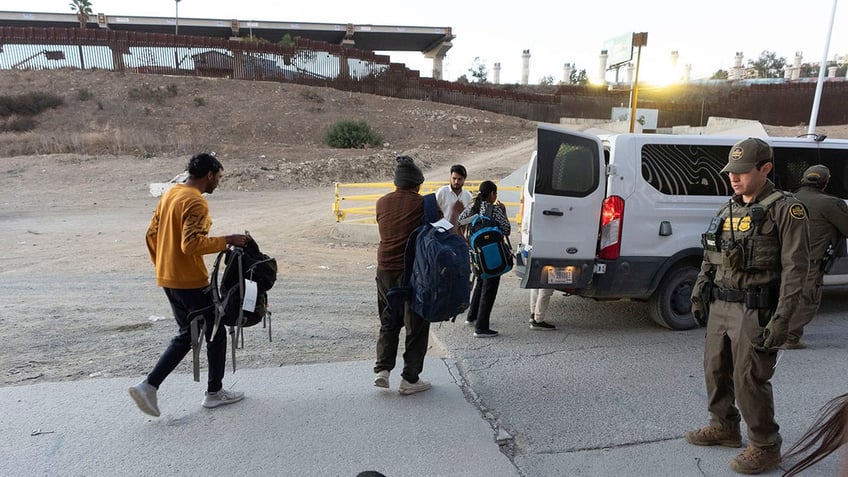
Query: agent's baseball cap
{"x": 817, "y": 175}
{"x": 746, "y": 154}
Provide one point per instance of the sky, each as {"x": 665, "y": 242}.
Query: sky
{"x": 707, "y": 35}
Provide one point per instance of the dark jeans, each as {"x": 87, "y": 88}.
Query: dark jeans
{"x": 183, "y": 303}
{"x": 482, "y": 301}
{"x": 417, "y": 332}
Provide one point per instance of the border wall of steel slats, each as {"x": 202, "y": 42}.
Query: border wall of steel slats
{"x": 322, "y": 64}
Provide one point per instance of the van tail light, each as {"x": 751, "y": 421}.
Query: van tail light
{"x": 612, "y": 218}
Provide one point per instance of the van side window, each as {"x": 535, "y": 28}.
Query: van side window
{"x": 567, "y": 165}
{"x": 790, "y": 164}
{"x": 685, "y": 169}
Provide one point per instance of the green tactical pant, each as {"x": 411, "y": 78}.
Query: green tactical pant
{"x": 738, "y": 374}
{"x": 809, "y": 305}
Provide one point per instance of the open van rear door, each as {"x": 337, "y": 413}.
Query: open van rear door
{"x": 563, "y": 192}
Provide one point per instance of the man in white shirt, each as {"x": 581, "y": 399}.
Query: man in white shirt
{"x": 451, "y": 198}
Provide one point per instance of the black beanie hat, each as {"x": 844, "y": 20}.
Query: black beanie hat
{"x": 407, "y": 174}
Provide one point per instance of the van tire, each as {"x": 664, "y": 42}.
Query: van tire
{"x": 670, "y": 305}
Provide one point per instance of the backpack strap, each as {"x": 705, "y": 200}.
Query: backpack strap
{"x": 431, "y": 209}
{"x": 220, "y": 303}
{"x": 431, "y": 214}
{"x": 197, "y": 318}
{"x": 409, "y": 255}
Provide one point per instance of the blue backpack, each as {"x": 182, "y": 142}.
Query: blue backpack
{"x": 437, "y": 272}
{"x": 491, "y": 253}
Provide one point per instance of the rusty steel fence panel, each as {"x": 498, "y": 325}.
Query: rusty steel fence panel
{"x": 305, "y": 62}
{"x": 315, "y": 63}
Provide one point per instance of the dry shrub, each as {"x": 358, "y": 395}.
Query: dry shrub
{"x": 18, "y": 124}
{"x": 28, "y": 104}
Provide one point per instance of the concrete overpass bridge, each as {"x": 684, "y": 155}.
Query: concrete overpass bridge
{"x": 432, "y": 42}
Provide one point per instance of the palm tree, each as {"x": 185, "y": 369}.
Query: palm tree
{"x": 83, "y": 11}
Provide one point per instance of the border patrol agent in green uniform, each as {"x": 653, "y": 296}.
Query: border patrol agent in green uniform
{"x": 756, "y": 256}
{"x": 828, "y": 217}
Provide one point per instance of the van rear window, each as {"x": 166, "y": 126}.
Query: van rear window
{"x": 686, "y": 169}
{"x": 791, "y": 162}
{"x": 567, "y": 165}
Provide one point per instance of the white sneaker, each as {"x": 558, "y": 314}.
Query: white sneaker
{"x": 144, "y": 396}
{"x": 407, "y": 388}
{"x": 221, "y": 398}
{"x": 381, "y": 379}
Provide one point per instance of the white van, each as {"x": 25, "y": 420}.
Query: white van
{"x": 621, "y": 216}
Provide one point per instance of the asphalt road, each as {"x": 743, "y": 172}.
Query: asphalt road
{"x": 610, "y": 393}
{"x": 607, "y": 393}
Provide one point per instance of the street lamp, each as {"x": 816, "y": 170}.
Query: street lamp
{"x": 176, "y": 31}
{"x": 639, "y": 40}
{"x": 176, "y": 17}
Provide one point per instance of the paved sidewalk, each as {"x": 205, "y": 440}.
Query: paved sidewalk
{"x": 321, "y": 420}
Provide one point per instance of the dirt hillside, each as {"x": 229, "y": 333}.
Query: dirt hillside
{"x": 269, "y": 134}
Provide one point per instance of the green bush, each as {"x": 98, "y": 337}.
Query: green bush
{"x": 29, "y": 104}
{"x": 351, "y": 134}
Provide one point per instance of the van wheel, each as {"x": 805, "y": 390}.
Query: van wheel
{"x": 670, "y": 305}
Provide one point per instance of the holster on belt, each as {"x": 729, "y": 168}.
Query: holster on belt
{"x": 826, "y": 263}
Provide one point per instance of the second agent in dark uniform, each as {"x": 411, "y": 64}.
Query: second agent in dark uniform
{"x": 756, "y": 256}
{"x": 828, "y": 217}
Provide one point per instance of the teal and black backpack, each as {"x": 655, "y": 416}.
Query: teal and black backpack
{"x": 491, "y": 252}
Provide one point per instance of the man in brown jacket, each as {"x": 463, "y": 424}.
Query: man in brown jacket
{"x": 398, "y": 214}
{"x": 756, "y": 256}
{"x": 828, "y": 217}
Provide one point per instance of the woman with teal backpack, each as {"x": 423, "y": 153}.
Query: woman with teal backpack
{"x": 485, "y": 203}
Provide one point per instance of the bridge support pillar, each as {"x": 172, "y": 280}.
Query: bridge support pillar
{"x": 437, "y": 53}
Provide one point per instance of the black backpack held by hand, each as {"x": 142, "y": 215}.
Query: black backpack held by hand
{"x": 240, "y": 298}
{"x": 241, "y": 264}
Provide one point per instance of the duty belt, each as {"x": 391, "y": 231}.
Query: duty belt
{"x": 729, "y": 295}
{"x": 762, "y": 296}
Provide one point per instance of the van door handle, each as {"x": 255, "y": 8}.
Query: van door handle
{"x": 558, "y": 213}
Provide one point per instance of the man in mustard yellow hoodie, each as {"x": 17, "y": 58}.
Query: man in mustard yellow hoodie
{"x": 177, "y": 239}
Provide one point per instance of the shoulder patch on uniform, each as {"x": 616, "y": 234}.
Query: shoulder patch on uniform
{"x": 797, "y": 211}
